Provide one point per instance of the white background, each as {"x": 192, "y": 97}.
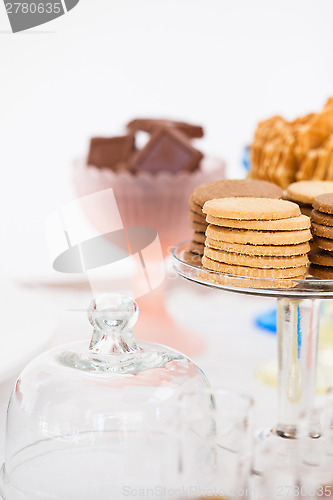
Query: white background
{"x": 223, "y": 64}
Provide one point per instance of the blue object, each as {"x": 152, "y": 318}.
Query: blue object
{"x": 246, "y": 158}
{"x": 267, "y": 321}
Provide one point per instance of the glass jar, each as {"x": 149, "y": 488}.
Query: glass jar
{"x": 88, "y": 421}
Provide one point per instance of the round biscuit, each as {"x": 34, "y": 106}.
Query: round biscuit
{"x": 251, "y": 208}
{"x": 258, "y": 237}
{"x": 262, "y": 262}
{"x": 198, "y": 227}
{"x": 191, "y": 258}
{"x": 193, "y": 216}
{"x": 196, "y": 247}
{"x": 321, "y": 272}
{"x": 239, "y": 281}
{"x": 306, "y": 191}
{"x": 291, "y": 224}
{"x": 323, "y": 243}
{"x": 264, "y": 250}
{"x": 321, "y": 257}
{"x": 323, "y": 231}
{"x": 322, "y": 218}
{"x": 199, "y": 237}
{"x": 195, "y": 208}
{"x": 324, "y": 203}
{"x": 225, "y": 188}
{"x": 289, "y": 272}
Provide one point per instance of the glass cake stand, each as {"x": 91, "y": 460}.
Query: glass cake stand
{"x": 298, "y": 311}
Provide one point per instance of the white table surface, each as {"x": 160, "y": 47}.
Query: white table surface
{"x": 234, "y": 345}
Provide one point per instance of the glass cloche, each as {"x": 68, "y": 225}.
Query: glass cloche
{"x": 92, "y": 421}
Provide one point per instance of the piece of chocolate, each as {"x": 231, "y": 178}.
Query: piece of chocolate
{"x": 168, "y": 150}
{"x": 151, "y": 124}
{"x": 123, "y": 166}
{"x": 109, "y": 151}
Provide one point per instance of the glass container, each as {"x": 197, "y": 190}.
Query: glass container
{"x": 92, "y": 420}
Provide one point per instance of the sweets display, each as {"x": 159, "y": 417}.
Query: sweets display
{"x": 168, "y": 148}
{"x": 150, "y": 181}
{"x": 273, "y": 217}
{"x": 222, "y": 189}
{"x": 284, "y": 152}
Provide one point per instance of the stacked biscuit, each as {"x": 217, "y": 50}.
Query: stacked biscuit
{"x": 304, "y": 193}
{"x": 256, "y": 237}
{"x": 222, "y": 189}
{"x": 284, "y": 151}
{"x": 321, "y": 254}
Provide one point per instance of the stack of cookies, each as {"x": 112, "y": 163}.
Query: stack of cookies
{"x": 321, "y": 254}
{"x": 256, "y": 237}
{"x": 304, "y": 193}
{"x": 222, "y": 189}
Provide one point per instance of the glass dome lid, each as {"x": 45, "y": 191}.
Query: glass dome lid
{"x": 86, "y": 421}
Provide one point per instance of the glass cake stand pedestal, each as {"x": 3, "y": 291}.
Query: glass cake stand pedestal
{"x": 298, "y": 311}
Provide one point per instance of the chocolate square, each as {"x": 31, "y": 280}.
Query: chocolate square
{"x": 109, "y": 151}
{"x": 151, "y": 125}
{"x": 168, "y": 150}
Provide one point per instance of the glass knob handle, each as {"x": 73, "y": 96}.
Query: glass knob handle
{"x": 113, "y": 313}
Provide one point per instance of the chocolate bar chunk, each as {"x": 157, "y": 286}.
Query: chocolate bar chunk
{"x": 109, "y": 151}
{"x": 150, "y": 125}
{"x": 168, "y": 150}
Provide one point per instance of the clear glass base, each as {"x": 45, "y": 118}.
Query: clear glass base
{"x": 267, "y": 371}
{"x": 107, "y": 465}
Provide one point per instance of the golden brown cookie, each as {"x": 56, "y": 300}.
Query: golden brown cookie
{"x": 321, "y": 218}
{"x": 258, "y": 237}
{"x": 262, "y": 262}
{"x": 198, "y": 227}
{"x": 253, "y": 272}
{"x": 306, "y": 191}
{"x": 323, "y": 231}
{"x": 305, "y": 209}
{"x": 291, "y": 224}
{"x": 192, "y": 258}
{"x": 194, "y": 207}
{"x": 196, "y": 217}
{"x": 324, "y": 203}
{"x": 196, "y": 247}
{"x": 282, "y": 250}
{"x": 321, "y": 272}
{"x": 227, "y": 188}
{"x": 251, "y": 208}
{"x": 321, "y": 257}
{"x": 227, "y": 280}
{"x": 324, "y": 243}
{"x": 199, "y": 237}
